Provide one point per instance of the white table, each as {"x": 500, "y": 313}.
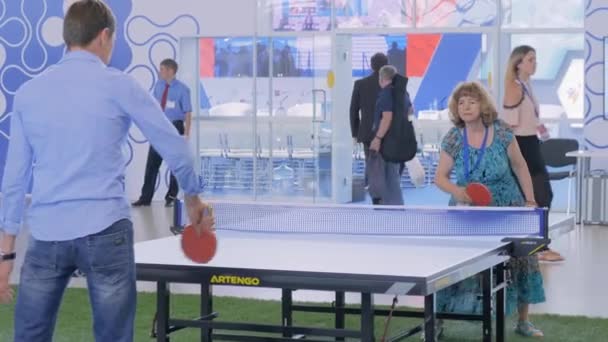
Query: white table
{"x": 395, "y": 266}
{"x": 339, "y": 248}
{"x": 583, "y": 167}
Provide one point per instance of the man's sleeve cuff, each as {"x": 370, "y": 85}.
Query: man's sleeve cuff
{"x": 197, "y": 189}
{"x": 10, "y": 228}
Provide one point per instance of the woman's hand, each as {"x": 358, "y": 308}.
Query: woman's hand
{"x": 461, "y": 196}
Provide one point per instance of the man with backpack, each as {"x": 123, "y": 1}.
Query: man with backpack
{"x": 394, "y": 141}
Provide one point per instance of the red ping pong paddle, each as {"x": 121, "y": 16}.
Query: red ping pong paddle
{"x": 199, "y": 248}
{"x": 480, "y": 194}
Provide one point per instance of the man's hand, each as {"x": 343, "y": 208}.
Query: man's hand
{"x": 6, "y": 292}
{"x": 199, "y": 213}
{"x": 375, "y": 145}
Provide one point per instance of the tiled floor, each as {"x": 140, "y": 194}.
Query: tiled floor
{"x": 574, "y": 287}
{"x": 578, "y": 285}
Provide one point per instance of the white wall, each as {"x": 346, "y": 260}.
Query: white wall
{"x": 596, "y": 120}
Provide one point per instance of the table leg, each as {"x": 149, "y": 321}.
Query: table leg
{"x": 582, "y": 166}
{"x": 367, "y": 317}
{"x": 486, "y": 289}
{"x": 578, "y": 189}
{"x": 162, "y": 312}
{"x": 287, "y": 312}
{"x": 429, "y": 318}
{"x": 340, "y": 317}
{"x": 206, "y": 310}
{"x": 500, "y": 304}
{"x": 584, "y": 191}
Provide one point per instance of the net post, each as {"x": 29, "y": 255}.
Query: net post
{"x": 544, "y": 222}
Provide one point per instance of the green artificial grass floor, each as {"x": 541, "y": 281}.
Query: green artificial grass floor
{"x": 74, "y": 322}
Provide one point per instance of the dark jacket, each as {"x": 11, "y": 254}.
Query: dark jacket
{"x": 362, "y": 105}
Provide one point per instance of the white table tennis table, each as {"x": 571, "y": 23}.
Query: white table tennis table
{"x": 361, "y": 249}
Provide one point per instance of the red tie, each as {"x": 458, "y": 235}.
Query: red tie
{"x": 163, "y": 100}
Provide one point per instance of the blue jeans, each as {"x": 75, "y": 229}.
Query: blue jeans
{"x": 106, "y": 258}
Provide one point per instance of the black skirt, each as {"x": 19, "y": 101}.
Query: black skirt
{"x": 530, "y": 149}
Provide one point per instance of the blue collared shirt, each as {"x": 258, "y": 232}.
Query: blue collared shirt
{"x": 71, "y": 123}
{"x": 178, "y": 99}
{"x": 384, "y": 103}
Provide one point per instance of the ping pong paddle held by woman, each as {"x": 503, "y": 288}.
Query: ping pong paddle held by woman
{"x": 199, "y": 242}
{"x": 479, "y": 194}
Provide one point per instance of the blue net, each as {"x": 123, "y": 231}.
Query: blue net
{"x": 369, "y": 220}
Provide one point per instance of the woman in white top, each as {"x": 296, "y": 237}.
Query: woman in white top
{"x": 521, "y": 112}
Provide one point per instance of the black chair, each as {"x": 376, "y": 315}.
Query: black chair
{"x": 554, "y": 153}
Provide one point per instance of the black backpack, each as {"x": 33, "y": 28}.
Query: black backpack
{"x": 399, "y": 144}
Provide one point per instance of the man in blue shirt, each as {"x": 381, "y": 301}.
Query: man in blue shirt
{"x": 174, "y": 99}
{"x": 68, "y": 127}
{"x": 384, "y": 176}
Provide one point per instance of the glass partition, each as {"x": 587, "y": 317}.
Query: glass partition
{"x": 299, "y": 135}
{"x": 441, "y": 13}
{"x": 559, "y": 79}
{"x": 543, "y": 13}
{"x": 273, "y": 116}
{"x": 364, "y": 14}
{"x": 266, "y": 136}
{"x": 226, "y": 113}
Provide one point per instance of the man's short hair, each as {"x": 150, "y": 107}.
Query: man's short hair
{"x": 84, "y": 20}
{"x": 388, "y": 72}
{"x": 378, "y": 61}
{"x": 169, "y": 63}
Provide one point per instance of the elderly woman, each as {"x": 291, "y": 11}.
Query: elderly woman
{"x": 482, "y": 149}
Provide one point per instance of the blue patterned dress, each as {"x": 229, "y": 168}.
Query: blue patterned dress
{"x": 495, "y": 172}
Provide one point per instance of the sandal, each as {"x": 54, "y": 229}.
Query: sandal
{"x": 550, "y": 256}
{"x": 527, "y": 329}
